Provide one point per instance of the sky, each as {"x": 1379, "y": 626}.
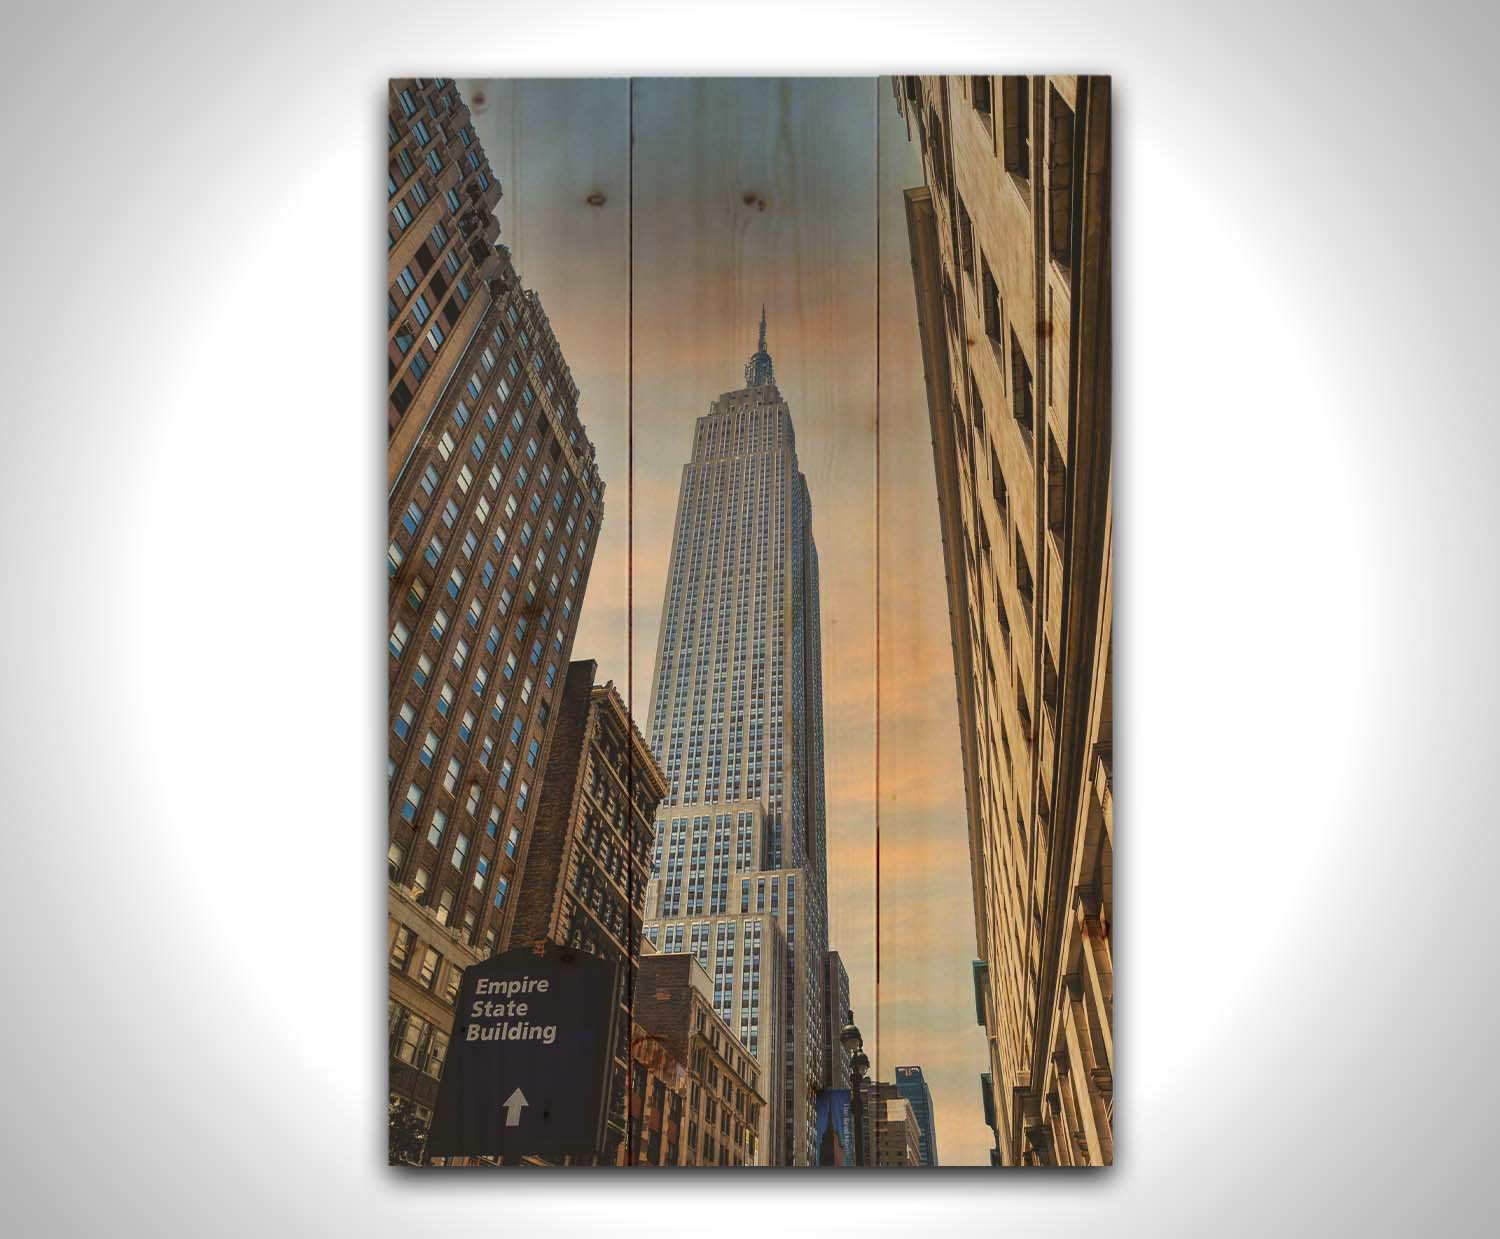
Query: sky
{"x": 785, "y": 192}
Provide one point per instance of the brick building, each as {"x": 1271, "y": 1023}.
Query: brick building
{"x": 1010, "y": 243}
{"x": 494, "y": 512}
{"x": 584, "y": 867}
{"x": 892, "y": 1136}
{"x": 713, "y": 1117}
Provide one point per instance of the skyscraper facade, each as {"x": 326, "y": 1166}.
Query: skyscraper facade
{"x": 836, "y": 1013}
{"x": 495, "y": 504}
{"x": 912, "y": 1085}
{"x": 736, "y": 723}
{"x": 1010, "y": 245}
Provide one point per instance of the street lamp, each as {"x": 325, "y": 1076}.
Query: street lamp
{"x": 859, "y": 1063}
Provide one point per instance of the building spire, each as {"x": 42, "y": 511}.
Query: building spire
{"x": 758, "y": 371}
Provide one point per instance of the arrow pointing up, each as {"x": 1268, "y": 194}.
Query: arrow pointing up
{"x": 513, "y": 1106}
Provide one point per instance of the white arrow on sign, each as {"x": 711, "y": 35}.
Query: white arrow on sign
{"x": 514, "y": 1104}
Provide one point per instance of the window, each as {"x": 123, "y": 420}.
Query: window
{"x": 439, "y": 624}
{"x": 400, "y": 634}
{"x": 466, "y": 725}
{"x": 401, "y": 947}
{"x": 408, "y": 107}
{"x": 413, "y": 517}
{"x": 1057, "y": 475}
{"x": 450, "y": 779}
{"x": 434, "y": 550}
{"x": 1016, "y": 100}
{"x": 460, "y": 851}
{"x": 1021, "y": 394}
{"x": 492, "y": 823}
{"x": 1060, "y": 179}
{"x": 395, "y": 857}
{"x": 512, "y": 841}
{"x": 965, "y": 240}
{"x": 401, "y": 213}
{"x": 533, "y": 750}
{"x": 430, "y": 479}
{"x": 979, "y": 96}
{"x": 445, "y": 908}
{"x": 436, "y": 827}
{"x": 429, "y": 748}
{"x": 523, "y": 794}
{"x": 413, "y": 799}
{"x": 407, "y": 283}
{"x": 990, "y": 295}
{"x": 424, "y": 669}
{"x": 1023, "y": 574}
{"x": 501, "y": 886}
{"x": 506, "y": 769}
{"x": 445, "y": 699}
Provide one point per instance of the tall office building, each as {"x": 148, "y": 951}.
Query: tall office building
{"x": 736, "y": 722}
{"x": 836, "y": 1013}
{"x": 912, "y": 1085}
{"x": 495, "y": 506}
{"x": 1010, "y": 244}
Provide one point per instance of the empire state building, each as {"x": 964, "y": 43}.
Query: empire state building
{"x": 739, "y": 874}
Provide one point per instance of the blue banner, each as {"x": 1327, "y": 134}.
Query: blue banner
{"x": 835, "y": 1128}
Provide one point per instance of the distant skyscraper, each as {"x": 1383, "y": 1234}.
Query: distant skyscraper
{"x": 911, "y": 1085}
{"x": 836, "y": 1013}
{"x": 736, "y": 722}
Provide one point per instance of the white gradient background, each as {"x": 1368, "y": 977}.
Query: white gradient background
{"x": 1306, "y": 265}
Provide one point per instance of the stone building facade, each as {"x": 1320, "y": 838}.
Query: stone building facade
{"x": 1010, "y": 242}
{"x": 892, "y": 1136}
{"x": 495, "y": 504}
{"x": 713, "y": 1116}
{"x": 897, "y": 1138}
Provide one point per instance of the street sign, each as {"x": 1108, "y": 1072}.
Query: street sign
{"x": 529, "y": 1062}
